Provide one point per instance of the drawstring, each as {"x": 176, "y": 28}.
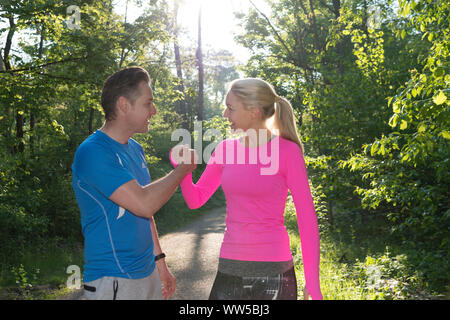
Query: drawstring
{"x": 115, "y": 288}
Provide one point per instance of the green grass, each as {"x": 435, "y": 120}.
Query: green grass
{"x": 336, "y": 283}
{"x": 42, "y": 266}
{"x": 359, "y": 261}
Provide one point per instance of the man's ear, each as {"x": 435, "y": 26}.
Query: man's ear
{"x": 123, "y": 105}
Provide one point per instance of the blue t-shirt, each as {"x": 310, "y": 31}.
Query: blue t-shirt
{"x": 117, "y": 243}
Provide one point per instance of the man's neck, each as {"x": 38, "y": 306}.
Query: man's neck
{"x": 116, "y": 132}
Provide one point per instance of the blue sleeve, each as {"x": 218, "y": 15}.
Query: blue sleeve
{"x": 101, "y": 168}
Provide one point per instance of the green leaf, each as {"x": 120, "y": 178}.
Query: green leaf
{"x": 440, "y": 98}
{"x": 374, "y": 148}
{"x": 390, "y": 100}
{"x": 422, "y": 128}
{"x": 403, "y": 125}
{"x": 382, "y": 150}
{"x": 393, "y": 120}
{"x": 405, "y": 158}
{"x": 445, "y": 134}
{"x": 396, "y": 107}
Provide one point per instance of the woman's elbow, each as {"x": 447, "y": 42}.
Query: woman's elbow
{"x": 193, "y": 206}
{"x": 193, "y": 202}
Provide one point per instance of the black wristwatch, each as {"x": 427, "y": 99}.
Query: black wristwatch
{"x": 160, "y": 256}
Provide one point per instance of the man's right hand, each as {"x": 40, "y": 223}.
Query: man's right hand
{"x": 185, "y": 157}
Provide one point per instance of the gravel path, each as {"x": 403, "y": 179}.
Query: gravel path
{"x": 193, "y": 255}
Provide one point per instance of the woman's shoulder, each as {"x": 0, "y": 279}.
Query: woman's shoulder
{"x": 290, "y": 153}
{"x": 289, "y": 145}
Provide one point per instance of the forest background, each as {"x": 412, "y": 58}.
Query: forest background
{"x": 369, "y": 82}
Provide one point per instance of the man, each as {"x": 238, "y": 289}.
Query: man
{"x": 117, "y": 199}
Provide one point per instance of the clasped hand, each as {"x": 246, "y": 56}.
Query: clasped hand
{"x": 184, "y": 156}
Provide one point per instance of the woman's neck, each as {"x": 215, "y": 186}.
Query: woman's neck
{"x": 255, "y": 137}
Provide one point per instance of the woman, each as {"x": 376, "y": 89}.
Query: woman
{"x": 255, "y": 258}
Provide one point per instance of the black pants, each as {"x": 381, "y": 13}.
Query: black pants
{"x": 279, "y": 287}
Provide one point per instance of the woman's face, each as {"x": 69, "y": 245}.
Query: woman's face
{"x": 236, "y": 113}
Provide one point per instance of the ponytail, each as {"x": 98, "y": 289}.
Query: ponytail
{"x": 285, "y": 121}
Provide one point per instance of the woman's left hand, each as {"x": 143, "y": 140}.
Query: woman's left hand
{"x": 306, "y": 295}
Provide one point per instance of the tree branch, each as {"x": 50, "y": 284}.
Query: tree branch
{"x": 275, "y": 31}
{"x": 31, "y": 68}
{"x": 283, "y": 43}
{"x": 68, "y": 79}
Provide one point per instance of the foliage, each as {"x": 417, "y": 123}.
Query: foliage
{"x": 409, "y": 168}
{"x": 24, "y": 281}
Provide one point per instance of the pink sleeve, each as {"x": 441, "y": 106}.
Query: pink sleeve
{"x": 196, "y": 195}
{"x": 297, "y": 181}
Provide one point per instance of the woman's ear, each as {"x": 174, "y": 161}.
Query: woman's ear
{"x": 256, "y": 113}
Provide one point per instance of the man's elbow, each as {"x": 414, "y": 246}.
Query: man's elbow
{"x": 146, "y": 211}
{"x": 135, "y": 199}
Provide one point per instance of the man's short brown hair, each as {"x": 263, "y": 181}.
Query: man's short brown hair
{"x": 125, "y": 83}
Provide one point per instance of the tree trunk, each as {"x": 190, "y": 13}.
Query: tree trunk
{"x": 32, "y": 116}
{"x": 19, "y": 118}
{"x": 330, "y": 213}
{"x": 7, "y": 49}
{"x": 19, "y": 133}
{"x": 124, "y": 54}
{"x": 182, "y": 101}
{"x": 365, "y": 17}
{"x": 314, "y": 26}
{"x": 199, "y": 57}
{"x": 340, "y": 44}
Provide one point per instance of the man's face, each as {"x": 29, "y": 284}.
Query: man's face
{"x": 142, "y": 109}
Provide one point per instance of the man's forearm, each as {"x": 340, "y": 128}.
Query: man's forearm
{"x": 146, "y": 201}
{"x": 156, "y": 246}
{"x": 159, "y": 192}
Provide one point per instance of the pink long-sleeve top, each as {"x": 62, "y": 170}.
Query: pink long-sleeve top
{"x": 255, "y": 182}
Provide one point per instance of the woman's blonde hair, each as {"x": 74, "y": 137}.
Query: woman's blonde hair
{"x": 254, "y": 92}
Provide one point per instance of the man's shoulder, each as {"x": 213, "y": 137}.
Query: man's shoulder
{"x": 92, "y": 145}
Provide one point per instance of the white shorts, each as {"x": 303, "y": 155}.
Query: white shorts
{"x": 114, "y": 288}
